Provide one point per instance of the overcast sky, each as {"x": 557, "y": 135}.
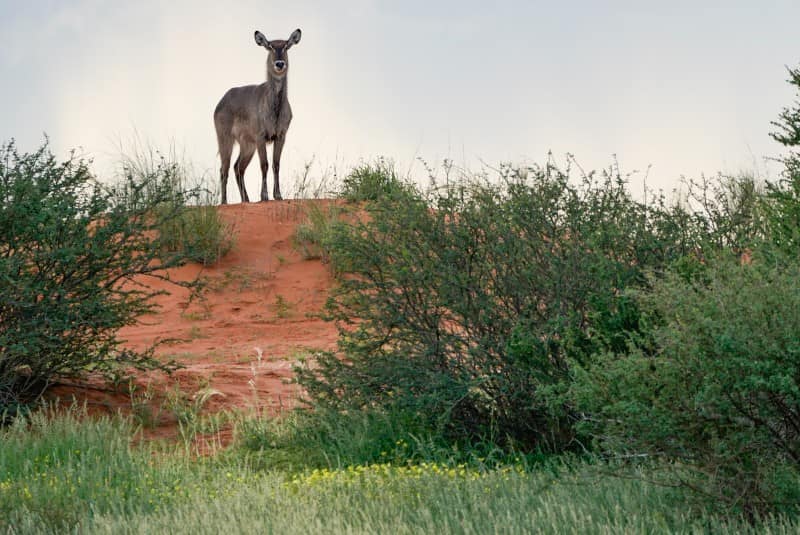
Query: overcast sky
{"x": 686, "y": 87}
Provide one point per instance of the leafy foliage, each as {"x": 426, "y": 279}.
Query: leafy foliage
{"x": 788, "y": 123}
{"x": 71, "y": 259}
{"x": 712, "y": 382}
{"x": 728, "y": 211}
{"x": 466, "y": 307}
{"x": 783, "y": 199}
{"x": 782, "y": 214}
{"x": 721, "y": 391}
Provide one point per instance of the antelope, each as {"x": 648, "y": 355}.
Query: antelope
{"x": 254, "y": 116}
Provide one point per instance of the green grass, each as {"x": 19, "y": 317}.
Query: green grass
{"x": 200, "y": 232}
{"x": 190, "y": 222}
{"x": 72, "y": 474}
{"x": 57, "y": 472}
{"x": 311, "y": 237}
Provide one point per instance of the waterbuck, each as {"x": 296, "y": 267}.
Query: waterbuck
{"x": 255, "y": 115}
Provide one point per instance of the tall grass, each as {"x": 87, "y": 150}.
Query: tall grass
{"x": 197, "y": 231}
{"x": 315, "y": 181}
{"x": 62, "y": 473}
{"x": 328, "y": 440}
{"x": 58, "y": 470}
{"x": 311, "y": 237}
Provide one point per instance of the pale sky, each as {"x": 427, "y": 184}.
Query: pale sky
{"x": 686, "y": 87}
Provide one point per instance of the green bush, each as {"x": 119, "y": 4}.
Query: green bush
{"x": 729, "y": 210}
{"x": 465, "y": 307}
{"x": 712, "y": 383}
{"x": 782, "y": 209}
{"x": 71, "y": 258}
{"x": 782, "y": 202}
{"x": 715, "y": 386}
{"x": 788, "y": 126}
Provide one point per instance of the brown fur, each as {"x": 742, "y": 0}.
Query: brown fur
{"x": 253, "y": 116}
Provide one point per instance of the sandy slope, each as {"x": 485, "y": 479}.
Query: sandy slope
{"x": 251, "y": 324}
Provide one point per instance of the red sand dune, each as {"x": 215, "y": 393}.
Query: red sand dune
{"x": 243, "y": 335}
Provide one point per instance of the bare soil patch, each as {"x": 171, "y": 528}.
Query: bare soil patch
{"x": 241, "y": 338}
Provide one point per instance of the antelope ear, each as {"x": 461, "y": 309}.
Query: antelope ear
{"x": 295, "y": 37}
{"x": 261, "y": 40}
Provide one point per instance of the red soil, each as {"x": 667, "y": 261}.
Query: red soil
{"x": 242, "y": 336}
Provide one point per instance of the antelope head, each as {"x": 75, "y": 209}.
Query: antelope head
{"x": 278, "y": 59}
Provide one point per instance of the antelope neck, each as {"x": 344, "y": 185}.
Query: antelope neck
{"x": 274, "y": 95}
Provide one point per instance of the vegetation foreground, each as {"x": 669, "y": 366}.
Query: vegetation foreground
{"x": 71, "y": 474}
